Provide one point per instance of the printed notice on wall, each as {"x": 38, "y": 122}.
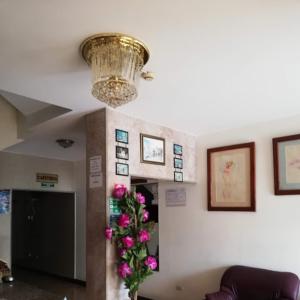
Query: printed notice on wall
{"x": 176, "y": 197}
{"x": 95, "y": 164}
{"x": 96, "y": 176}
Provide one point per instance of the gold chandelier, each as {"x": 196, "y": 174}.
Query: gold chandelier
{"x": 116, "y": 61}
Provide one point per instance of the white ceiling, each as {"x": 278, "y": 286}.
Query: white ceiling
{"x": 219, "y": 64}
{"x": 23, "y": 104}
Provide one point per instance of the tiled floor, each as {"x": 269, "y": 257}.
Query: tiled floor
{"x": 34, "y": 286}
{"x": 19, "y": 290}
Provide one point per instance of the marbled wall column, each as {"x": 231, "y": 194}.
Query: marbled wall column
{"x": 96, "y": 209}
{"x": 102, "y": 280}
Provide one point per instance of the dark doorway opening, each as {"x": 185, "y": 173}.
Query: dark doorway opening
{"x": 43, "y": 232}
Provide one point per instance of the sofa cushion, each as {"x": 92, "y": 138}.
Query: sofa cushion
{"x": 252, "y": 283}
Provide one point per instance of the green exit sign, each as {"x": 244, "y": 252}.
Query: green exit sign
{"x": 47, "y": 185}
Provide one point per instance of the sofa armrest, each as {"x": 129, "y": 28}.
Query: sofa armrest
{"x": 219, "y": 296}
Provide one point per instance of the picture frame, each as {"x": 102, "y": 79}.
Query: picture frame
{"x": 178, "y": 163}
{"x": 286, "y": 164}
{"x": 177, "y": 149}
{"x": 178, "y": 176}
{"x": 5, "y": 202}
{"x": 231, "y": 178}
{"x": 121, "y": 136}
{"x": 122, "y": 153}
{"x": 122, "y": 169}
{"x": 152, "y": 149}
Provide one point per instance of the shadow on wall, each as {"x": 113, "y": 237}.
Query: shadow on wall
{"x": 197, "y": 285}
{"x": 192, "y": 287}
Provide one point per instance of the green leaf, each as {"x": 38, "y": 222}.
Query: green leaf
{"x": 131, "y": 262}
{"x": 142, "y": 254}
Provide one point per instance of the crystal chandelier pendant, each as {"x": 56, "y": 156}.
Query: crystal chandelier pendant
{"x": 116, "y": 61}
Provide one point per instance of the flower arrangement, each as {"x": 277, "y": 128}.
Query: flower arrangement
{"x": 131, "y": 233}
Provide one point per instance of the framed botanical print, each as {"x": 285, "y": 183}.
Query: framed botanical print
{"x": 152, "y": 149}
{"x": 286, "y": 157}
{"x": 231, "y": 178}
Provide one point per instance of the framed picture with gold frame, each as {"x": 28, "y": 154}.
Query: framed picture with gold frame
{"x": 286, "y": 158}
{"x": 152, "y": 149}
{"x": 231, "y": 178}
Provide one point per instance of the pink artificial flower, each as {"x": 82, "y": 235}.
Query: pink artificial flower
{"x": 144, "y": 236}
{"x": 124, "y": 220}
{"x": 124, "y": 270}
{"x": 122, "y": 252}
{"x": 119, "y": 191}
{"x": 145, "y": 215}
{"x": 140, "y": 198}
{"x": 108, "y": 233}
{"x": 151, "y": 262}
{"x": 128, "y": 242}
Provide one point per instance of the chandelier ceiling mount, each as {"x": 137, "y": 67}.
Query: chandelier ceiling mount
{"x": 116, "y": 61}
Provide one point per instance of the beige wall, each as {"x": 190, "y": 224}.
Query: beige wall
{"x": 8, "y": 124}
{"x": 19, "y": 172}
{"x": 196, "y": 245}
{"x": 134, "y": 126}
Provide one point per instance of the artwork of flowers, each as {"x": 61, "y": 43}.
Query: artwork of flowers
{"x": 286, "y": 153}
{"x": 130, "y": 233}
{"x": 231, "y": 178}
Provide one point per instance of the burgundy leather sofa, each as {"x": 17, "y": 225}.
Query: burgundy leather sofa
{"x": 247, "y": 283}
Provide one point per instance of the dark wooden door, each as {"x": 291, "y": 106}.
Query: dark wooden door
{"x": 43, "y": 231}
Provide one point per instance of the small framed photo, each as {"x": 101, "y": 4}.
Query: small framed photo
{"x": 178, "y": 163}
{"x": 5, "y": 201}
{"x": 121, "y": 136}
{"x": 177, "y": 149}
{"x": 231, "y": 178}
{"x": 122, "y": 169}
{"x": 122, "y": 152}
{"x": 178, "y": 176}
{"x": 152, "y": 149}
{"x": 286, "y": 157}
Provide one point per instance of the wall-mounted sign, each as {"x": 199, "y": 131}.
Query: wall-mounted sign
{"x": 95, "y": 164}
{"x": 47, "y": 185}
{"x": 96, "y": 175}
{"x": 49, "y": 178}
{"x": 114, "y": 211}
{"x": 176, "y": 197}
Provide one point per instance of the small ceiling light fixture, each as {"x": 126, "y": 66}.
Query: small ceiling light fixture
{"x": 65, "y": 143}
{"x": 116, "y": 61}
